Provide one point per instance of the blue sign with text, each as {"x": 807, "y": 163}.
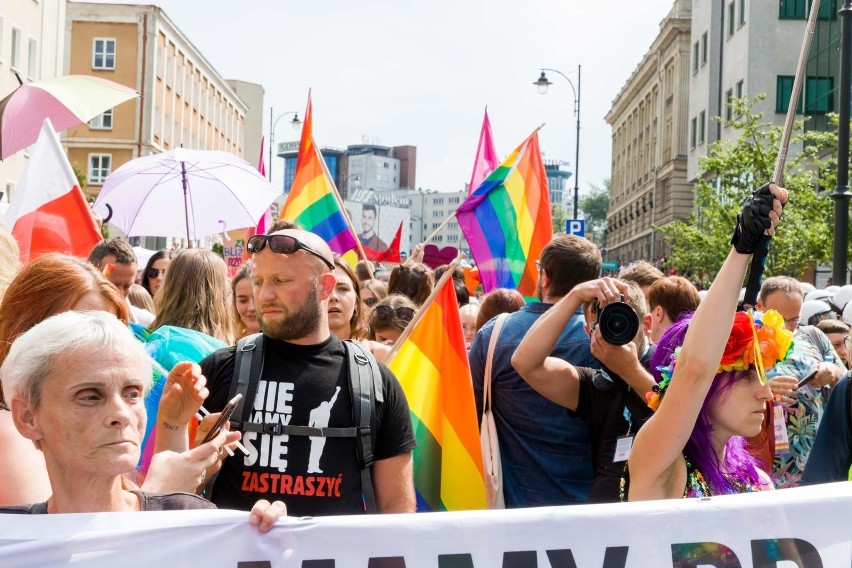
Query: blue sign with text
{"x": 576, "y": 227}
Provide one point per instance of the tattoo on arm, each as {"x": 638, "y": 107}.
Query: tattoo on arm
{"x": 171, "y": 427}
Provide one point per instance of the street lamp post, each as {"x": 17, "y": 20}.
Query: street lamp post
{"x": 542, "y": 83}
{"x": 841, "y": 193}
{"x": 295, "y": 123}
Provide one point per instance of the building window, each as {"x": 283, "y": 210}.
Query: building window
{"x": 102, "y": 122}
{"x": 99, "y": 167}
{"x": 453, "y": 200}
{"x": 695, "y": 57}
{"x": 792, "y": 10}
{"x": 435, "y": 225}
{"x": 731, "y": 12}
{"x": 798, "y": 9}
{"x": 819, "y": 94}
{"x": 742, "y": 12}
{"x": 703, "y": 48}
{"x": 729, "y": 101}
{"x": 32, "y": 60}
{"x": 452, "y": 238}
{"x": 15, "y": 60}
{"x": 693, "y": 131}
{"x": 701, "y": 122}
{"x": 438, "y": 201}
{"x": 7, "y": 195}
{"x": 103, "y": 53}
{"x": 437, "y": 213}
{"x": 739, "y": 92}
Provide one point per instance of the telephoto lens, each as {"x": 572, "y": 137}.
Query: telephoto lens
{"x": 618, "y": 323}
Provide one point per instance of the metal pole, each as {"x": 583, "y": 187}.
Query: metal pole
{"x": 577, "y": 149}
{"x": 271, "y": 141}
{"x": 841, "y": 193}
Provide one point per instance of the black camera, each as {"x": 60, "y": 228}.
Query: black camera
{"x": 617, "y": 321}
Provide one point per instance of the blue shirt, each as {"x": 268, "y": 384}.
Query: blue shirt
{"x": 544, "y": 449}
{"x": 831, "y": 455}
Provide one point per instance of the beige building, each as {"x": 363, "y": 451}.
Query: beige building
{"x": 649, "y": 120}
{"x": 32, "y": 45}
{"x": 252, "y": 95}
{"x": 184, "y": 100}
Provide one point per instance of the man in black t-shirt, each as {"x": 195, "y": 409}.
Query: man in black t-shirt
{"x": 612, "y": 400}
{"x": 305, "y": 382}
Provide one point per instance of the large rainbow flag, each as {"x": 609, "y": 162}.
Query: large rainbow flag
{"x": 312, "y": 202}
{"x": 432, "y": 368}
{"x": 507, "y": 220}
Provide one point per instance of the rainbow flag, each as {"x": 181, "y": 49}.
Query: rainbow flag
{"x": 507, "y": 220}
{"x": 312, "y": 201}
{"x": 432, "y": 368}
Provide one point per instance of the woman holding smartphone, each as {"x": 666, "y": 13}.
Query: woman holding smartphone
{"x": 75, "y": 385}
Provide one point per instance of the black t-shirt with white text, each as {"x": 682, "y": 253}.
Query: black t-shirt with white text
{"x": 303, "y": 386}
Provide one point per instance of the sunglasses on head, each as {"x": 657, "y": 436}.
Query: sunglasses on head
{"x": 155, "y": 272}
{"x": 283, "y": 244}
{"x": 403, "y": 312}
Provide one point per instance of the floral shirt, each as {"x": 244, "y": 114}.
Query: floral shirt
{"x": 803, "y": 416}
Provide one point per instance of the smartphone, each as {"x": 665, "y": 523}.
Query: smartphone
{"x": 808, "y": 379}
{"x": 223, "y": 418}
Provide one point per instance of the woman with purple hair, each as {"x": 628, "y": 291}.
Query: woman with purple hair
{"x": 713, "y": 389}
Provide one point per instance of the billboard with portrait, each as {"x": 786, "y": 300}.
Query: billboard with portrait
{"x": 376, "y": 223}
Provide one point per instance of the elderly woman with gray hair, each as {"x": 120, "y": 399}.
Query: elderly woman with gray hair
{"x": 75, "y": 385}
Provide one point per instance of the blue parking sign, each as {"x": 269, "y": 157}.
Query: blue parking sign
{"x": 576, "y": 227}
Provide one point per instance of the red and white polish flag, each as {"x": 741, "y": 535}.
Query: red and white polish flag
{"x": 48, "y": 212}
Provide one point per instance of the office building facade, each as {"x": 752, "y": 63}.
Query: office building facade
{"x": 32, "y": 45}
{"x": 184, "y": 102}
{"x": 649, "y": 120}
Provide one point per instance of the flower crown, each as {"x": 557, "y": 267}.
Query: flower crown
{"x": 756, "y": 340}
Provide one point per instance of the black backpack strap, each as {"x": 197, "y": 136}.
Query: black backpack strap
{"x": 363, "y": 376}
{"x": 248, "y": 367}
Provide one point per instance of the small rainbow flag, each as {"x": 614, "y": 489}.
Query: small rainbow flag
{"x": 507, "y": 220}
{"x": 432, "y": 368}
{"x": 312, "y": 201}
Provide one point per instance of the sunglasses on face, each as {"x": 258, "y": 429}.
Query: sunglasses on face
{"x": 155, "y": 272}
{"x": 371, "y": 301}
{"x": 283, "y": 244}
{"x": 403, "y": 312}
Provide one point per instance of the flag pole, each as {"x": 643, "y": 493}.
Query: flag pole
{"x": 345, "y": 214}
{"x": 449, "y": 218}
{"x": 758, "y": 259}
{"x": 422, "y": 309}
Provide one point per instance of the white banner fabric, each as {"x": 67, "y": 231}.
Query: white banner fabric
{"x": 807, "y": 527}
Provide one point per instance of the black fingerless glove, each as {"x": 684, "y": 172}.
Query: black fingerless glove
{"x": 753, "y": 221}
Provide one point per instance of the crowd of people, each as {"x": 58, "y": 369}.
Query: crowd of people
{"x": 679, "y": 398}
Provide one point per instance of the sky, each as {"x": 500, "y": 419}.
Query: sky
{"x": 421, "y": 72}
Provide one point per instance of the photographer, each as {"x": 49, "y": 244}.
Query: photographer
{"x": 611, "y": 401}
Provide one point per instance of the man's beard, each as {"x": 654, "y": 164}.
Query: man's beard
{"x": 294, "y": 325}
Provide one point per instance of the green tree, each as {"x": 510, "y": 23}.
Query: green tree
{"x": 595, "y": 206}
{"x": 732, "y": 170}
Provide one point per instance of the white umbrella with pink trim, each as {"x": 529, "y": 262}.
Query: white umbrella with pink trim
{"x": 67, "y": 101}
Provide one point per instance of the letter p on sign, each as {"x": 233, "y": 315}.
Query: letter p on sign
{"x": 576, "y": 227}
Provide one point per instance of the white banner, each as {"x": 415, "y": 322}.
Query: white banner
{"x": 808, "y": 528}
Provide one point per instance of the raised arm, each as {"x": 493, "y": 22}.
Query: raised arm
{"x": 554, "y": 378}
{"x": 656, "y": 462}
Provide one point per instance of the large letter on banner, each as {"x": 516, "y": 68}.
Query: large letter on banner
{"x": 806, "y": 527}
